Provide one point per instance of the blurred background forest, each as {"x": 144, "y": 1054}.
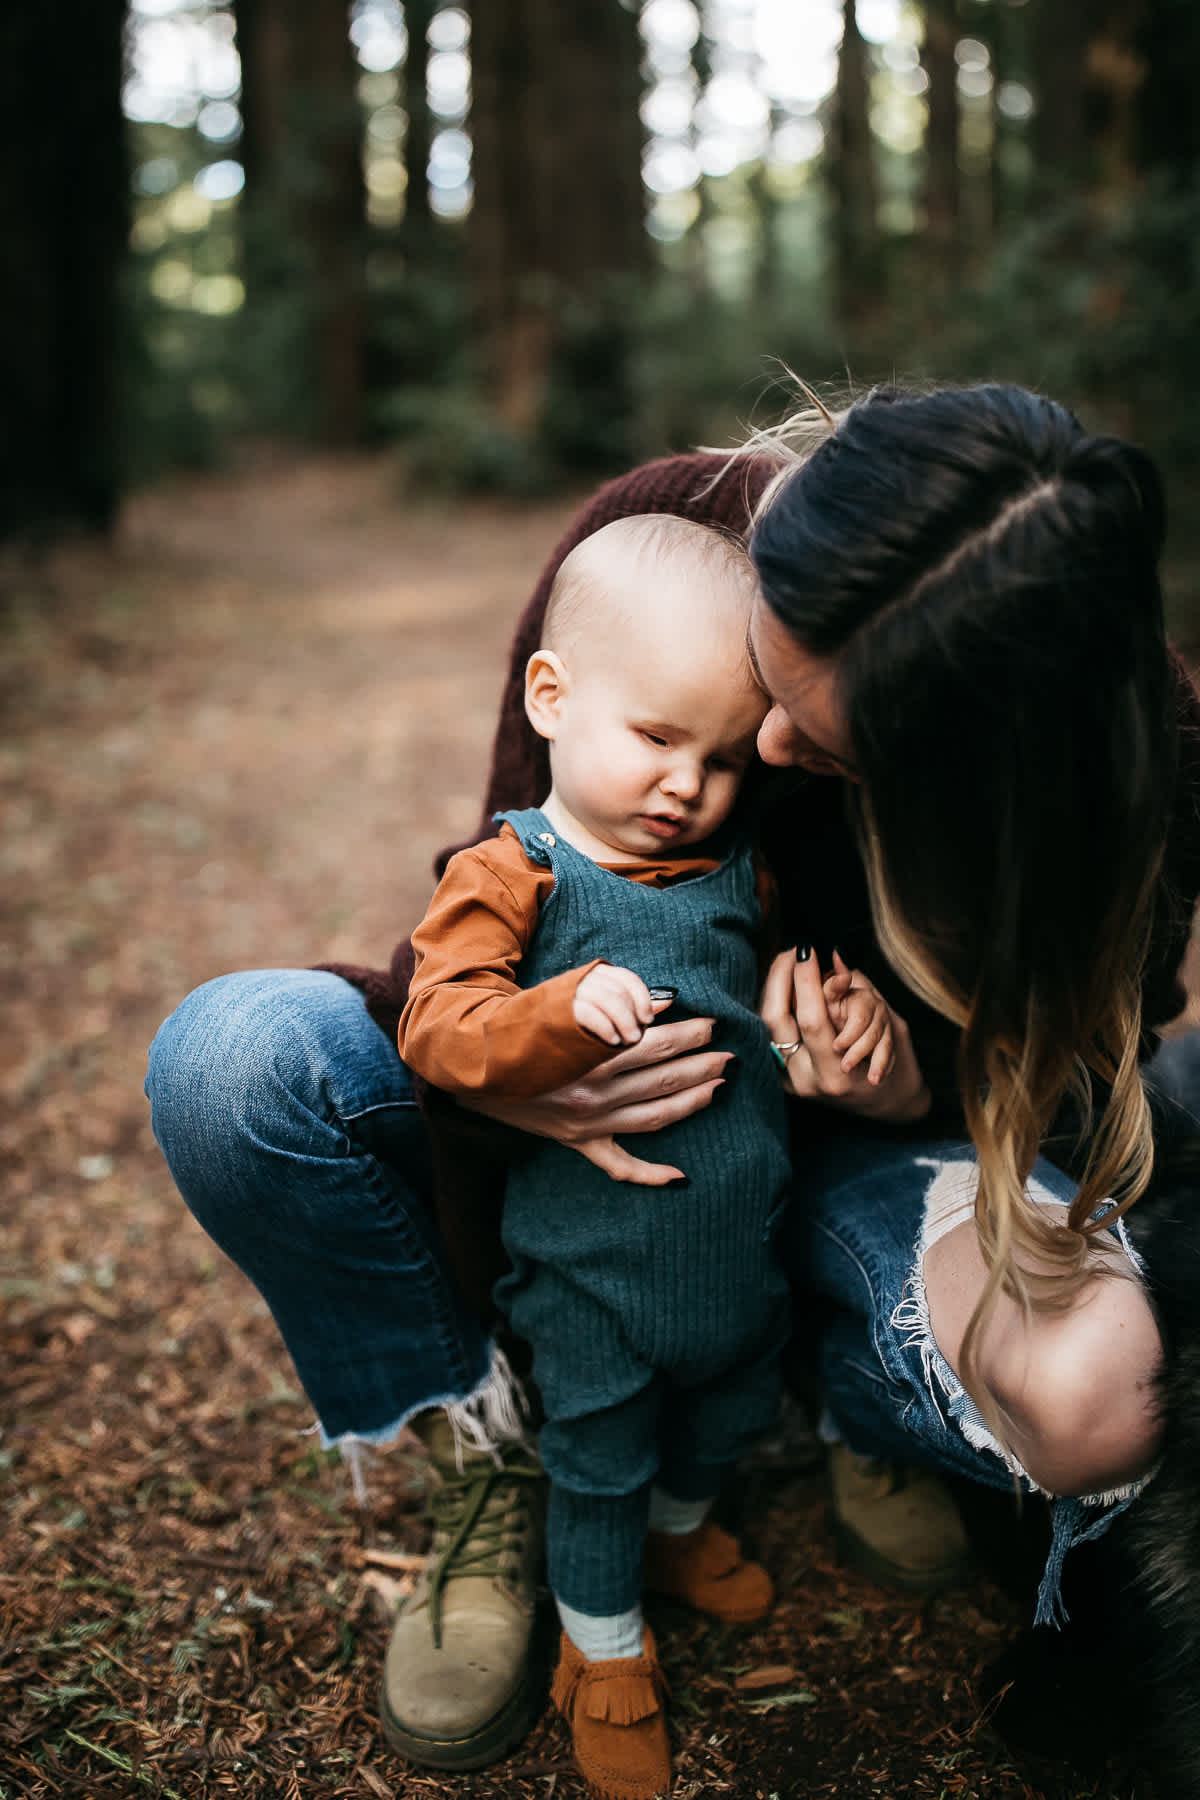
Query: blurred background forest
{"x": 525, "y": 240}
{"x": 285, "y": 280}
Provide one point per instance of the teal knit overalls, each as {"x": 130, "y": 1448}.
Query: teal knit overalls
{"x": 656, "y": 1315}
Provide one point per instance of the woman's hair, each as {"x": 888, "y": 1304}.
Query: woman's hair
{"x": 984, "y": 574}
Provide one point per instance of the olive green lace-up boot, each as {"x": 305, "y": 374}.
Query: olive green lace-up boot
{"x": 896, "y": 1525}
{"x": 467, "y": 1665}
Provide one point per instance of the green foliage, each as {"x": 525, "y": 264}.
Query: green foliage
{"x": 180, "y": 403}
{"x": 182, "y": 397}
{"x": 449, "y": 441}
{"x": 1091, "y": 299}
{"x": 1099, "y": 304}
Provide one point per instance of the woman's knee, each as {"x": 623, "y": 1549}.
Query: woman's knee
{"x": 263, "y": 1058}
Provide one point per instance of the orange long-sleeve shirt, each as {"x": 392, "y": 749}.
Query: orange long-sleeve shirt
{"x": 468, "y": 1027}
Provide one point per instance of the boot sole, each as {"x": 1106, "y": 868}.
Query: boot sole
{"x": 498, "y": 1735}
{"x": 708, "y": 1612}
{"x": 860, "y": 1556}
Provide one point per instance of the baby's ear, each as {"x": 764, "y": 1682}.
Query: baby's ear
{"x": 545, "y": 690}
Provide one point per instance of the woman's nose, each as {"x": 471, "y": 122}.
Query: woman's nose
{"x": 778, "y": 740}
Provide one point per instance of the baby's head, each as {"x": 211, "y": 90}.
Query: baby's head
{"x": 643, "y": 688}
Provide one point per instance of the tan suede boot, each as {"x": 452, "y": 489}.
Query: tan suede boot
{"x": 897, "y": 1525}
{"x": 465, "y": 1673}
{"x": 614, "y": 1710}
{"x": 705, "y": 1568}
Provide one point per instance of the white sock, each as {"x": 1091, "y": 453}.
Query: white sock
{"x": 600, "y": 1639}
{"x": 677, "y": 1517}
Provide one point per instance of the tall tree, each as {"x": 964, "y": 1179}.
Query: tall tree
{"x": 418, "y": 137}
{"x": 849, "y": 165}
{"x": 1060, "y": 36}
{"x": 942, "y": 172}
{"x": 558, "y": 214}
{"x": 304, "y": 201}
{"x": 64, "y": 225}
{"x": 1167, "y": 43}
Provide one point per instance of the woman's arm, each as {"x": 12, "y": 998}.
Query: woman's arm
{"x": 671, "y": 1074}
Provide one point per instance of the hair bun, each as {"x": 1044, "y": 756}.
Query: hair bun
{"x": 1124, "y": 478}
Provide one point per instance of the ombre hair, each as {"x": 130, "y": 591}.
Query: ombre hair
{"x": 984, "y": 575}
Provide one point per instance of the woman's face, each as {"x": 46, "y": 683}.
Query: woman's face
{"x": 804, "y": 728}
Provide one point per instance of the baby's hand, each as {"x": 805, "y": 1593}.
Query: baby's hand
{"x": 862, "y": 1019}
{"x": 613, "y": 1004}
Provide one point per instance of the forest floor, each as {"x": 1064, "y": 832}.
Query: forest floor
{"x": 236, "y": 737}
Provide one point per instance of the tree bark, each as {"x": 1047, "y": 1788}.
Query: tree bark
{"x": 1168, "y": 120}
{"x": 1059, "y": 41}
{"x": 304, "y": 196}
{"x": 943, "y": 196}
{"x": 558, "y": 208}
{"x": 852, "y": 180}
{"x": 418, "y": 138}
{"x": 64, "y": 218}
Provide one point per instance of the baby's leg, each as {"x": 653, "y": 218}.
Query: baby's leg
{"x": 608, "y": 1685}
{"x": 705, "y": 1429}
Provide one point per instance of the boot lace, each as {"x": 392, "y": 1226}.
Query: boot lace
{"x": 479, "y": 1517}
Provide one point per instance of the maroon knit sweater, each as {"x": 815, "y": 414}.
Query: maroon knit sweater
{"x": 804, "y": 831}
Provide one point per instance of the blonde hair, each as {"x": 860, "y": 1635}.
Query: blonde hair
{"x": 644, "y": 541}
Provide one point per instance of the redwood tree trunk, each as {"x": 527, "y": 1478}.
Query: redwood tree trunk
{"x": 64, "y": 225}
{"x": 305, "y": 200}
{"x": 853, "y": 184}
{"x": 1059, "y": 41}
{"x": 558, "y": 209}
{"x": 942, "y": 176}
{"x": 419, "y": 136}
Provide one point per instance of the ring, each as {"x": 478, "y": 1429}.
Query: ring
{"x": 781, "y": 1052}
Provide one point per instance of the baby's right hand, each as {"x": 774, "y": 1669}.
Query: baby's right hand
{"x": 613, "y": 1004}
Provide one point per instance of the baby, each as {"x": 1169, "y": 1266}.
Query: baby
{"x": 656, "y": 1322}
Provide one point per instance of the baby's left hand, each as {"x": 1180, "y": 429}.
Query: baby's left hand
{"x": 857, "y": 1024}
{"x": 824, "y": 1032}
{"x": 863, "y": 1021}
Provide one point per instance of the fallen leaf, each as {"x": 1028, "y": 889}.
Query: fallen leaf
{"x": 772, "y": 1675}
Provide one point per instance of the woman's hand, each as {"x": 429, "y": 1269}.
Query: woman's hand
{"x": 875, "y": 1075}
{"x": 669, "y": 1075}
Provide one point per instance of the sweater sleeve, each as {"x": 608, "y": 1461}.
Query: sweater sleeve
{"x": 468, "y": 1027}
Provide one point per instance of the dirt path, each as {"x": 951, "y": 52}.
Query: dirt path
{"x": 238, "y": 739}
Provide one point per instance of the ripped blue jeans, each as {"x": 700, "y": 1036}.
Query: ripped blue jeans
{"x": 289, "y": 1124}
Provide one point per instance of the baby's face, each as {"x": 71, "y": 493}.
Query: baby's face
{"x": 653, "y": 741}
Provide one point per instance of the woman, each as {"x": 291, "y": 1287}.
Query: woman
{"x": 961, "y": 632}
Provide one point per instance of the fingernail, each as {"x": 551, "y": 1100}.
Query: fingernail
{"x": 803, "y": 952}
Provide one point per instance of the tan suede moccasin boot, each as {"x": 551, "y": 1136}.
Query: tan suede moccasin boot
{"x": 706, "y": 1569}
{"x": 897, "y": 1525}
{"x": 465, "y": 1673}
{"x": 615, "y": 1713}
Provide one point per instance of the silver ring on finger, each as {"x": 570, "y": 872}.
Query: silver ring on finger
{"x": 781, "y": 1052}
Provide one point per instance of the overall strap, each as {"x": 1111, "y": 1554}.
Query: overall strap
{"x": 533, "y": 829}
